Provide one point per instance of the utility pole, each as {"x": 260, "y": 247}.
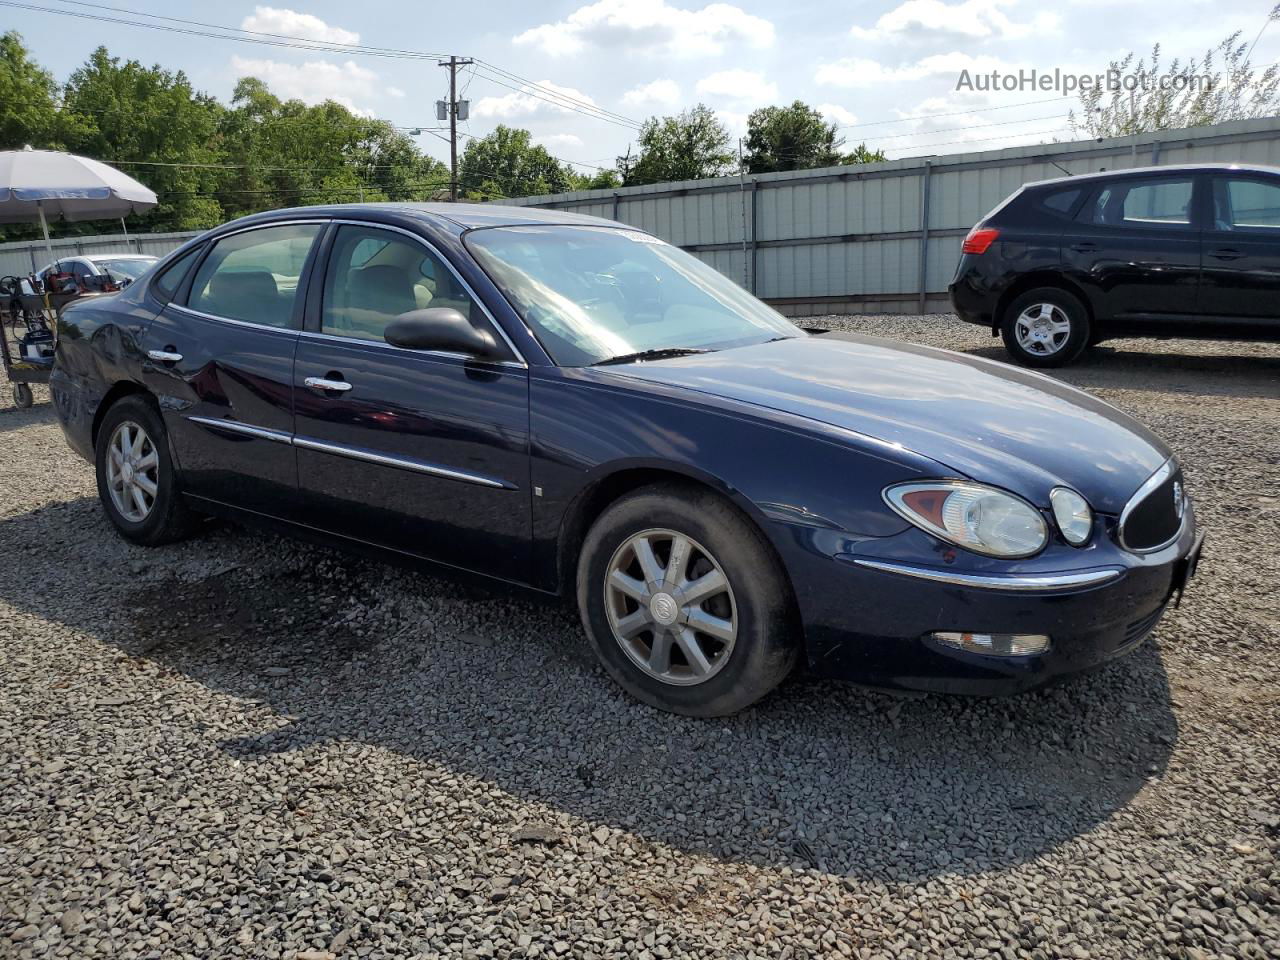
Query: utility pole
{"x": 453, "y": 63}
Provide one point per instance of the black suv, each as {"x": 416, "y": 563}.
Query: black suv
{"x": 1183, "y": 251}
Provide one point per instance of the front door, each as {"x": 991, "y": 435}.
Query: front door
{"x": 420, "y": 451}
{"x": 220, "y": 359}
{"x": 1136, "y": 245}
{"x": 1240, "y": 292}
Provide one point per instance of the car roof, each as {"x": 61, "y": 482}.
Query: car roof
{"x": 460, "y": 216}
{"x": 1174, "y": 168}
{"x": 114, "y": 256}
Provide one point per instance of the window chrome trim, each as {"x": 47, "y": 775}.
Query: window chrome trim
{"x": 1163, "y": 473}
{"x": 235, "y": 426}
{"x": 1023, "y": 583}
{"x": 383, "y": 345}
{"x": 354, "y": 453}
{"x": 403, "y": 463}
{"x": 484, "y": 308}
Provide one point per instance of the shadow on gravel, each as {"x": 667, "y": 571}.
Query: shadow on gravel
{"x": 502, "y": 688}
{"x": 1243, "y": 375}
{"x": 15, "y": 418}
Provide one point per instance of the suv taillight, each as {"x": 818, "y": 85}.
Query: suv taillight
{"x": 979, "y": 239}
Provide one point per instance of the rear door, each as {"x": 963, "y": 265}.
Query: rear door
{"x": 421, "y": 451}
{"x": 220, "y": 358}
{"x": 1240, "y": 293}
{"x": 1135, "y": 246}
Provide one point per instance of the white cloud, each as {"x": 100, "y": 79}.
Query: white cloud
{"x": 394, "y": 92}
{"x": 971, "y": 20}
{"x": 315, "y": 81}
{"x": 837, "y": 114}
{"x": 746, "y": 86}
{"x": 290, "y": 23}
{"x": 555, "y": 141}
{"x": 736, "y": 122}
{"x": 861, "y": 72}
{"x": 527, "y": 100}
{"x": 662, "y": 93}
{"x": 650, "y": 25}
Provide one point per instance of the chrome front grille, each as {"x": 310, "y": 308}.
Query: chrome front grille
{"x": 1154, "y": 515}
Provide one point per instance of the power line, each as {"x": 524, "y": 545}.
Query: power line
{"x": 957, "y": 113}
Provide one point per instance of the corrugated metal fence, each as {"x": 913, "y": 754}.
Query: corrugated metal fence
{"x": 880, "y": 237}
{"x": 19, "y": 259}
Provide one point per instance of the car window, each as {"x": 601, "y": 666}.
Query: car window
{"x": 168, "y": 282}
{"x": 1061, "y": 201}
{"x": 375, "y": 275}
{"x": 594, "y": 293}
{"x": 1143, "y": 203}
{"x": 1246, "y": 205}
{"x": 125, "y": 268}
{"x": 253, "y": 276}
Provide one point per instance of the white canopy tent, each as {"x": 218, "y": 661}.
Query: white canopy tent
{"x": 47, "y": 185}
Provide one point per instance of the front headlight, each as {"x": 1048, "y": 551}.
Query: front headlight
{"x": 971, "y": 515}
{"x": 1074, "y": 515}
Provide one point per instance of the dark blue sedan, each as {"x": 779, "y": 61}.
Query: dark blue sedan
{"x": 573, "y": 405}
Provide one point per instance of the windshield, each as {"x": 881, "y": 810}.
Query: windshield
{"x": 130, "y": 269}
{"x": 593, "y": 293}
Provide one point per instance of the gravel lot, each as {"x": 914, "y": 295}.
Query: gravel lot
{"x": 244, "y": 747}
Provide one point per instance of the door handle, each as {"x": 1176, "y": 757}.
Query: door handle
{"x": 167, "y": 355}
{"x": 323, "y": 383}
{"x": 1226, "y": 253}
{"x": 1085, "y": 246}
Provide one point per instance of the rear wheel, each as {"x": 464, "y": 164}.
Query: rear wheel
{"x": 1046, "y": 327}
{"x": 22, "y": 396}
{"x": 137, "y": 482}
{"x": 684, "y": 604}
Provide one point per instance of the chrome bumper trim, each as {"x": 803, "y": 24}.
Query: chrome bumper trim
{"x": 1026, "y": 582}
{"x": 235, "y": 426}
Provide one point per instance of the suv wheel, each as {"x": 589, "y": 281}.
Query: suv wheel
{"x": 683, "y": 602}
{"x": 1046, "y": 327}
{"x": 137, "y": 481}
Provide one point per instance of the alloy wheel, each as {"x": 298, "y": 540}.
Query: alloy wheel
{"x": 671, "y": 607}
{"x": 133, "y": 471}
{"x": 1042, "y": 329}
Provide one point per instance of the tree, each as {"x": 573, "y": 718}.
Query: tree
{"x": 159, "y": 130}
{"x": 28, "y": 98}
{"x": 689, "y": 146}
{"x": 601, "y": 180}
{"x": 1169, "y": 98}
{"x": 790, "y": 138}
{"x": 507, "y": 164}
{"x": 860, "y": 154}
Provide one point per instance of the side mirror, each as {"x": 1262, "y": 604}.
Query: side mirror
{"x": 439, "y": 328}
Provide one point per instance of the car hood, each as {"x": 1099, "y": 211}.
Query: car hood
{"x": 985, "y": 420}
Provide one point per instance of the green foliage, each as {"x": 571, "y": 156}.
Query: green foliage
{"x": 28, "y": 98}
{"x": 1237, "y": 92}
{"x": 506, "y": 164}
{"x": 601, "y": 180}
{"x": 790, "y": 138}
{"x": 860, "y": 154}
{"x": 689, "y": 146}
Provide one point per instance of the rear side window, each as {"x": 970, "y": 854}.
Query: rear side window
{"x": 1061, "y": 201}
{"x": 253, "y": 276}
{"x": 1143, "y": 203}
{"x": 1246, "y": 205}
{"x": 167, "y": 284}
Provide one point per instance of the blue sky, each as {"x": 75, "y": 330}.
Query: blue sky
{"x": 886, "y": 71}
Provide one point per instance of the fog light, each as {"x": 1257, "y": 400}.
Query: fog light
{"x": 995, "y": 644}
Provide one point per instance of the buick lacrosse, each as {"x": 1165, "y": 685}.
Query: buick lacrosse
{"x": 574, "y": 406}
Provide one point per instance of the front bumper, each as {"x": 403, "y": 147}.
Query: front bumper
{"x": 869, "y": 620}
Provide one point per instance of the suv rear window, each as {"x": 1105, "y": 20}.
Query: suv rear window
{"x": 1142, "y": 203}
{"x": 1061, "y": 201}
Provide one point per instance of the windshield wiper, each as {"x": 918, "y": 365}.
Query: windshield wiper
{"x": 657, "y": 353}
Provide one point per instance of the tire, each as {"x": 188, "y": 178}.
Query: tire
{"x": 1059, "y": 342}
{"x": 22, "y": 396}
{"x": 722, "y": 677}
{"x": 166, "y": 517}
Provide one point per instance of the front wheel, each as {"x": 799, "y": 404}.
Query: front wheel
{"x": 137, "y": 482}
{"x": 22, "y": 396}
{"x": 1046, "y": 327}
{"x": 684, "y": 603}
